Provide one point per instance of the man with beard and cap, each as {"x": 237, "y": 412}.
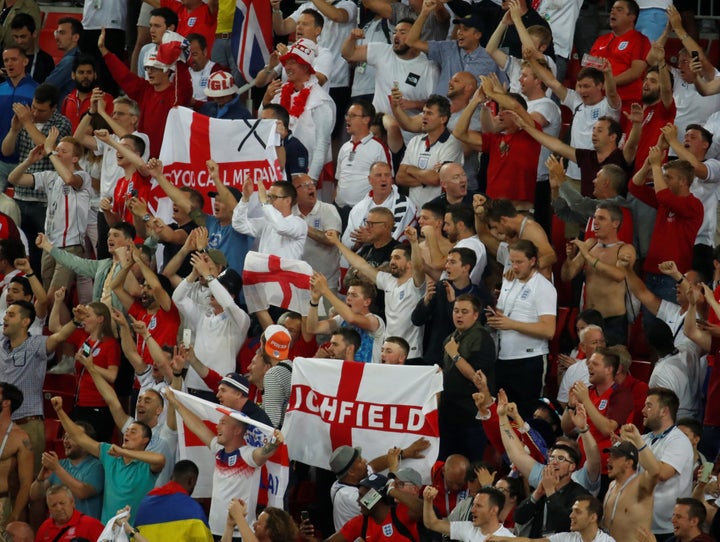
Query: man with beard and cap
{"x": 629, "y": 500}
{"x": 78, "y": 470}
{"x": 78, "y": 102}
{"x": 312, "y": 111}
{"x": 403, "y": 287}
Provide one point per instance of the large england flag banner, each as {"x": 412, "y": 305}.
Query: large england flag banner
{"x": 242, "y": 149}
{"x": 369, "y": 405}
{"x": 276, "y": 471}
{"x": 269, "y": 279}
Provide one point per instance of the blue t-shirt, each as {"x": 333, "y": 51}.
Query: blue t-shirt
{"x": 127, "y": 484}
{"x": 23, "y": 93}
{"x": 232, "y": 244}
{"x": 89, "y": 471}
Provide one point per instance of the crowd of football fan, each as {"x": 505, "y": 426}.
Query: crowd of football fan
{"x": 459, "y": 205}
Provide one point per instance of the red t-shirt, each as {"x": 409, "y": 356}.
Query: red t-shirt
{"x": 382, "y": 532}
{"x": 446, "y": 500}
{"x": 512, "y": 166}
{"x": 639, "y": 390}
{"x": 621, "y": 51}
{"x": 615, "y": 404}
{"x": 74, "y": 108}
{"x": 656, "y": 116}
{"x": 162, "y": 325}
{"x": 80, "y": 526}
{"x": 677, "y": 222}
{"x": 712, "y": 412}
{"x": 197, "y": 21}
{"x": 124, "y": 189}
{"x": 8, "y": 228}
{"x": 105, "y": 353}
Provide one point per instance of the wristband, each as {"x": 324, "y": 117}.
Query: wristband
{"x": 584, "y": 430}
{"x": 314, "y": 304}
{"x": 76, "y": 323}
{"x": 28, "y": 275}
{"x": 679, "y": 281}
{"x": 641, "y": 449}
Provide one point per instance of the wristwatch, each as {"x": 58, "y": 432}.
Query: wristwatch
{"x": 209, "y": 278}
{"x": 147, "y": 217}
{"x": 456, "y": 357}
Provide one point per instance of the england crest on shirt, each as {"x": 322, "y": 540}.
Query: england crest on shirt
{"x": 401, "y": 295}
{"x": 191, "y": 21}
{"x": 388, "y": 530}
{"x": 602, "y": 404}
{"x": 623, "y": 45}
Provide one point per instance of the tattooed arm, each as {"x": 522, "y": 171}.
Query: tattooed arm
{"x": 261, "y": 455}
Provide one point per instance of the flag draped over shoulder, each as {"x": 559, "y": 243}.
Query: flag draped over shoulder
{"x": 252, "y": 38}
{"x": 242, "y": 149}
{"x": 271, "y": 280}
{"x": 369, "y": 405}
{"x": 276, "y": 471}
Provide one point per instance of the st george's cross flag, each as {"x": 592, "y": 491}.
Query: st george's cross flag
{"x": 269, "y": 279}
{"x": 370, "y": 405}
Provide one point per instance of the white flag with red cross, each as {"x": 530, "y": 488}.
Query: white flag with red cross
{"x": 269, "y": 279}
{"x": 374, "y": 406}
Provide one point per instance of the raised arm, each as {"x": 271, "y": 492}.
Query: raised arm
{"x": 493, "y": 45}
{"x": 77, "y": 433}
{"x": 106, "y": 390}
{"x": 128, "y": 343}
{"x": 690, "y": 45}
{"x": 671, "y": 136}
{"x": 41, "y": 297}
{"x": 70, "y": 178}
{"x": 413, "y": 37}
{"x": 191, "y": 420}
{"x": 262, "y": 454}
{"x": 154, "y": 459}
{"x": 351, "y": 51}
{"x": 547, "y": 77}
{"x": 430, "y": 519}
{"x": 462, "y": 127}
{"x": 416, "y": 259}
{"x": 353, "y": 259}
{"x": 546, "y": 140}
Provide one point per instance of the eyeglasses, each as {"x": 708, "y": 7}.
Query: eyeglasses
{"x": 353, "y": 116}
{"x": 273, "y": 197}
{"x": 559, "y": 459}
{"x": 308, "y": 184}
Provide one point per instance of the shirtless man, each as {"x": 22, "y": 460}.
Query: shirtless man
{"x": 434, "y": 246}
{"x": 629, "y": 500}
{"x": 601, "y": 257}
{"x": 15, "y": 453}
{"x": 498, "y": 224}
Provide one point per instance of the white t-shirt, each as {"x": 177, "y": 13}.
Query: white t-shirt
{"x": 345, "y": 506}
{"x": 561, "y": 15}
{"x": 672, "y": 315}
{"x": 332, "y": 37}
{"x": 712, "y": 125}
{"x": 584, "y": 118}
{"x": 353, "y": 166}
{"x": 400, "y": 300}
{"x": 236, "y": 476}
{"x": 66, "y": 220}
{"x": 513, "y": 69}
{"x": 467, "y": 532}
{"x": 577, "y": 371}
{"x": 551, "y": 112}
{"x": 416, "y": 77}
{"x": 478, "y": 247}
{"x": 365, "y": 75}
{"x": 575, "y": 536}
{"x": 445, "y": 149}
{"x": 671, "y": 372}
{"x": 200, "y": 80}
{"x": 525, "y": 302}
{"x": 691, "y": 107}
{"x": 324, "y": 259}
{"x": 107, "y": 13}
{"x": 674, "y": 449}
{"x": 707, "y": 191}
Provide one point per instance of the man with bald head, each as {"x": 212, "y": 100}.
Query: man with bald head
{"x": 19, "y": 531}
{"x": 449, "y": 480}
{"x": 454, "y": 182}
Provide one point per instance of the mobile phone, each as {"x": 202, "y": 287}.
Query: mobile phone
{"x": 187, "y": 337}
{"x": 86, "y": 349}
{"x": 133, "y": 193}
{"x": 695, "y": 55}
{"x": 305, "y": 515}
{"x": 370, "y": 499}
